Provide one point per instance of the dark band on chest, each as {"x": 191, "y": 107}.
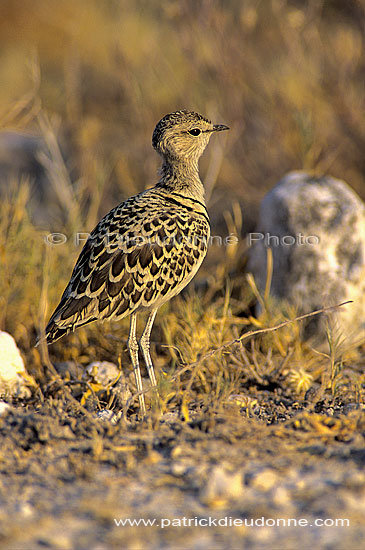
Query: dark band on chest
{"x": 190, "y": 199}
{"x": 189, "y": 208}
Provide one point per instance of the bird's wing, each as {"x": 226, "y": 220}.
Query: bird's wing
{"x": 132, "y": 260}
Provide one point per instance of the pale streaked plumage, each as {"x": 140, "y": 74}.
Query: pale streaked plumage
{"x": 147, "y": 249}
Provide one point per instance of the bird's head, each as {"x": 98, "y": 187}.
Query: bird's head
{"x": 183, "y": 135}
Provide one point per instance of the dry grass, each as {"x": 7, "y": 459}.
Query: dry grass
{"x": 91, "y": 79}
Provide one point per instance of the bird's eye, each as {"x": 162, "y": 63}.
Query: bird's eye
{"x": 195, "y": 131}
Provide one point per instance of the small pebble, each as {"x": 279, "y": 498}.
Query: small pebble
{"x": 265, "y": 480}
{"x": 109, "y": 416}
{"x": 221, "y": 487}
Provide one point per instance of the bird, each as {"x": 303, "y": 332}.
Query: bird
{"x": 148, "y": 248}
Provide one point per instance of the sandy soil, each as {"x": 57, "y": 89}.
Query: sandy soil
{"x": 67, "y": 477}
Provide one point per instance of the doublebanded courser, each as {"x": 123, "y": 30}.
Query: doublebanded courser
{"x": 146, "y": 249}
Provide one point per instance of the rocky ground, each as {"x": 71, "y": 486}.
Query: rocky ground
{"x": 68, "y": 477}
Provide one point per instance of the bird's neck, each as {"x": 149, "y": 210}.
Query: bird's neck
{"x": 182, "y": 176}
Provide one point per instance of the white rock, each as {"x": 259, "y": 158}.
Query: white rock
{"x": 11, "y": 362}
{"x": 4, "y": 407}
{"x": 324, "y": 219}
{"x": 13, "y": 376}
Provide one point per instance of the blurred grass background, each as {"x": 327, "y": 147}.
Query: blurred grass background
{"x": 90, "y": 79}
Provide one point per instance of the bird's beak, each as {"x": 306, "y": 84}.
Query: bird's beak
{"x": 220, "y": 127}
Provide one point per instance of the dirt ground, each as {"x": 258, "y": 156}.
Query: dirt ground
{"x": 68, "y": 477}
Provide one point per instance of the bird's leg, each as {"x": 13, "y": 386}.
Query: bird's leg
{"x": 132, "y": 345}
{"x": 145, "y": 347}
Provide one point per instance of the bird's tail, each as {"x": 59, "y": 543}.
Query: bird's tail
{"x": 69, "y": 315}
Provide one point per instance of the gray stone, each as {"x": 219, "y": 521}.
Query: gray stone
{"x": 70, "y": 370}
{"x": 106, "y": 415}
{"x": 21, "y": 157}
{"x": 107, "y": 375}
{"x": 103, "y": 372}
{"x": 315, "y": 227}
